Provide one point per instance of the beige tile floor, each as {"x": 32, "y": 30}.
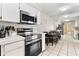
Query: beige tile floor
{"x": 67, "y": 46}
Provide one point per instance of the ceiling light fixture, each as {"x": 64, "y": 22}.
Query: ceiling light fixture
{"x": 64, "y": 8}
{"x": 66, "y": 20}
{"x": 65, "y": 16}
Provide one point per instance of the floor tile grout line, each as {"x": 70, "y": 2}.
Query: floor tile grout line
{"x": 73, "y": 45}
{"x": 67, "y": 47}
{"x": 43, "y": 51}
{"x": 53, "y": 49}
{"x": 74, "y": 48}
{"x": 75, "y": 51}
{"x": 60, "y": 48}
{"x": 46, "y": 49}
{"x": 50, "y": 52}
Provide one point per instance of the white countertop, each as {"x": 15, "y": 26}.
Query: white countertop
{"x": 10, "y": 39}
{"x": 38, "y": 33}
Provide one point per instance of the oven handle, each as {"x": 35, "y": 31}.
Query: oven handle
{"x": 27, "y": 43}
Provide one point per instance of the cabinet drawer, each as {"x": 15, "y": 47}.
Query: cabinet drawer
{"x": 17, "y": 52}
{"x": 13, "y": 46}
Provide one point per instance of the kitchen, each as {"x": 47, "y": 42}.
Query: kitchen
{"x": 23, "y": 28}
{"x": 17, "y": 21}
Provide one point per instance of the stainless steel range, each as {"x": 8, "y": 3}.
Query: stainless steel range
{"x": 33, "y": 41}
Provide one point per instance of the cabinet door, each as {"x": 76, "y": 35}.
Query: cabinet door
{"x": 15, "y": 49}
{"x": 16, "y": 52}
{"x": 10, "y": 12}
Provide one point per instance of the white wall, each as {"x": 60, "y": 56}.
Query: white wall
{"x": 77, "y": 21}
{"x": 47, "y": 23}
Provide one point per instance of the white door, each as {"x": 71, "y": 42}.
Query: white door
{"x": 10, "y": 12}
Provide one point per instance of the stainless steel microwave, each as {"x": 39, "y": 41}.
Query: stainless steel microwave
{"x": 26, "y": 18}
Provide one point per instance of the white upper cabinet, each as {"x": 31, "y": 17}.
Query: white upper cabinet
{"x": 10, "y": 12}
{"x": 31, "y": 10}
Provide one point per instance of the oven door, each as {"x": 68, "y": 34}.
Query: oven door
{"x": 34, "y": 48}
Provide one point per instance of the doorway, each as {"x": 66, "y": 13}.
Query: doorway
{"x": 69, "y": 27}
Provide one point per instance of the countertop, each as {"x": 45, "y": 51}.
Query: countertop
{"x": 10, "y": 39}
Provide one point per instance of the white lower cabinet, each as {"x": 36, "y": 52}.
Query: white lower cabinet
{"x": 15, "y": 49}
{"x": 16, "y": 52}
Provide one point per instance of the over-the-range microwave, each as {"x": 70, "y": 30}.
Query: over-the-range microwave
{"x": 26, "y": 18}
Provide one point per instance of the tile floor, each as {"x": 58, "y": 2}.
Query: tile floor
{"x": 67, "y": 46}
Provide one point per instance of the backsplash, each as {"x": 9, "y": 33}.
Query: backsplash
{"x": 16, "y": 25}
{"x": 36, "y": 28}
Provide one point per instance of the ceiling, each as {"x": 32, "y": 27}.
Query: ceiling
{"x": 58, "y": 9}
